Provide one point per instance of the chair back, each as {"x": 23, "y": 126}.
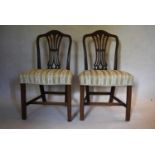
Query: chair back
{"x": 53, "y": 40}
{"x": 101, "y": 41}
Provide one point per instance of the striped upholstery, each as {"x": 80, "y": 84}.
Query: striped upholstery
{"x": 47, "y": 77}
{"x": 105, "y": 78}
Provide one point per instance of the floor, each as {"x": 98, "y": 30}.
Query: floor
{"x": 54, "y": 117}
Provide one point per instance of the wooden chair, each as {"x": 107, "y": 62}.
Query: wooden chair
{"x": 52, "y": 75}
{"x": 101, "y": 75}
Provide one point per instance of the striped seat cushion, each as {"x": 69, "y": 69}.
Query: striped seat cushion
{"x": 105, "y": 78}
{"x": 47, "y": 77}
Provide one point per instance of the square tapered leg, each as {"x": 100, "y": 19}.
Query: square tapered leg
{"x": 23, "y": 101}
{"x": 129, "y": 97}
{"x": 69, "y": 109}
{"x": 81, "y": 102}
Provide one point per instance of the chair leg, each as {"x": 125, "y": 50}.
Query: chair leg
{"x": 112, "y": 94}
{"x": 69, "y": 110}
{"x": 128, "y": 108}
{"x": 66, "y": 95}
{"x": 42, "y": 93}
{"x": 23, "y": 101}
{"x": 81, "y": 103}
{"x": 87, "y": 95}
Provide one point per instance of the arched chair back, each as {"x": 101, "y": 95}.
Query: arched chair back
{"x": 54, "y": 40}
{"x": 101, "y": 39}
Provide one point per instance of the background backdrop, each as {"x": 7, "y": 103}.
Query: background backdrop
{"x": 18, "y": 53}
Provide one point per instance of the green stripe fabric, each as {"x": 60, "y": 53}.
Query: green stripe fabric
{"x": 106, "y": 78}
{"x": 47, "y": 77}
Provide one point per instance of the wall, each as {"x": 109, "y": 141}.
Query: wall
{"x": 18, "y": 53}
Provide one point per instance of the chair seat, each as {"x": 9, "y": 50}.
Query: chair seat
{"x": 47, "y": 77}
{"x": 105, "y": 78}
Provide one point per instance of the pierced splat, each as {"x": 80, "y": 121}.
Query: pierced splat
{"x": 54, "y": 41}
{"x": 100, "y": 41}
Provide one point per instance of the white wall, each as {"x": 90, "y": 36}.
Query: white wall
{"x": 18, "y": 53}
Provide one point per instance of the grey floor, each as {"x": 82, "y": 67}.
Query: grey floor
{"x": 49, "y": 117}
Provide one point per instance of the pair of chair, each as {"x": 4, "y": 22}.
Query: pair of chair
{"x": 100, "y": 75}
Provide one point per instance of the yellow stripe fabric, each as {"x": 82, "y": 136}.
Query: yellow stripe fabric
{"x": 106, "y": 78}
{"x": 47, "y": 77}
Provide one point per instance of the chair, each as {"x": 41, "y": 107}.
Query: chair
{"x": 101, "y": 75}
{"x": 52, "y": 75}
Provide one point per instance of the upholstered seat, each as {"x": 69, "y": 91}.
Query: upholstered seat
{"x": 47, "y": 77}
{"x": 105, "y": 78}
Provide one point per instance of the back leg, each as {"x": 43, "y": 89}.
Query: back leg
{"x": 112, "y": 94}
{"x": 42, "y": 93}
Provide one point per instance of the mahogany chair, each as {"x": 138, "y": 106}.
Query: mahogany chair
{"x": 52, "y": 75}
{"x": 102, "y": 75}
